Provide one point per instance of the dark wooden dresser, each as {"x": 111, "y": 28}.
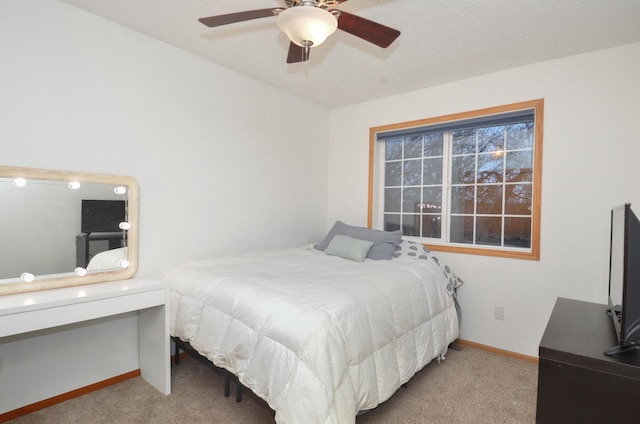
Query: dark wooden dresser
{"x": 577, "y": 383}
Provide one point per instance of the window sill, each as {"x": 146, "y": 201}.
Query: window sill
{"x": 533, "y": 255}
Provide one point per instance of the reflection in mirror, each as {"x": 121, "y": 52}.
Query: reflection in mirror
{"x": 65, "y": 228}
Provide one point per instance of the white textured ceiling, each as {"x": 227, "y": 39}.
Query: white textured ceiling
{"x": 441, "y": 40}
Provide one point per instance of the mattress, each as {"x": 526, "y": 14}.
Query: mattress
{"x": 318, "y": 337}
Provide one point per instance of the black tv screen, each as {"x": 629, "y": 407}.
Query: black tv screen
{"x": 102, "y": 216}
{"x": 624, "y": 278}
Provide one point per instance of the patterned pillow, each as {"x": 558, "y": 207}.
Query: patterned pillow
{"x": 411, "y": 249}
{"x": 414, "y": 250}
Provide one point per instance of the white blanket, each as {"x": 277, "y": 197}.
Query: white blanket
{"x": 316, "y": 336}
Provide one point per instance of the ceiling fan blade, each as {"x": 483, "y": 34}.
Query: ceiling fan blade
{"x": 231, "y": 18}
{"x": 296, "y": 54}
{"x": 373, "y": 32}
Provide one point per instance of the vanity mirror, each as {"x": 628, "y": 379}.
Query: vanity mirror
{"x": 61, "y": 229}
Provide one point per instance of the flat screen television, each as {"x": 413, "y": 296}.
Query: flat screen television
{"x": 624, "y": 278}
{"x": 102, "y": 216}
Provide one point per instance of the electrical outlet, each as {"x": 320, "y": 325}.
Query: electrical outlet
{"x": 498, "y": 312}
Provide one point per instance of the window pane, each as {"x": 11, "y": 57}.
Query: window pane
{"x": 412, "y": 172}
{"x": 392, "y": 199}
{"x": 413, "y": 147}
{"x": 489, "y": 231}
{"x": 432, "y": 171}
{"x": 463, "y": 169}
{"x": 520, "y": 136}
{"x": 393, "y": 149}
{"x": 518, "y": 199}
{"x": 517, "y": 232}
{"x": 433, "y": 144}
{"x": 490, "y": 168}
{"x": 411, "y": 225}
{"x": 464, "y": 142}
{"x": 431, "y": 226}
{"x": 489, "y": 199}
{"x": 519, "y": 166}
{"x": 411, "y": 201}
{"x": 432, "y": 199}
{"x": 393, "y": 174}
{"x": 491, "y": 139}
{"x": 462, "y": 229}
{"x": 391, "y": 222}
{"x": 462, "y": 199}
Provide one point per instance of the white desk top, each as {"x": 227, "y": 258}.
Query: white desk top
{"x": 25, "y": 302}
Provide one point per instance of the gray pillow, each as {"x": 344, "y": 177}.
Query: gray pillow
{"x": 349, "y": 248}
{"x": 384, "y": 242}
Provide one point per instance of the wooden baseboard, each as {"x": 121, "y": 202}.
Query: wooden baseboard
{"x": 11, "y": 415}
{"x": 502, "y": 352}
{"x": 183, "y": 355}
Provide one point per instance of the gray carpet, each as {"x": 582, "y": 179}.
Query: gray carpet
{"x": 469, "y": 386}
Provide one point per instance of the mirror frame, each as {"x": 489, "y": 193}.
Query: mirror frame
{"x": 54, "y": 281}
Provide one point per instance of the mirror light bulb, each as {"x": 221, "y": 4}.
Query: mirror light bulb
{"x": 27, "y": 277}
{"x": 123, "y": 263}
{"x": 74, "y": 185}
{"x": 120, "y": 190}
{"x": 124, "y": 226}
{"x": 19, "y": 182}
{"x": 80, "y": 271}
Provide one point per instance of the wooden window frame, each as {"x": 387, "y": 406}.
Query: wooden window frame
{"x": 538, "y": 106}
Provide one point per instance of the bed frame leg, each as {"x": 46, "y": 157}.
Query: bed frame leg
{"x": 176, "y": 358}
{"x": 227, "y": 386}
{"x": 227, "y": 374}
{"x": 239, "y": 392}
{"x": 227, "y": 383}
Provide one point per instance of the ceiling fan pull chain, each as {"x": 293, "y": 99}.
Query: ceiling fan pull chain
{"x": 306, "y": 48}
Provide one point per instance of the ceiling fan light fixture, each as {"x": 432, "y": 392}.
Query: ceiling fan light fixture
{"x": 307, "y": 25}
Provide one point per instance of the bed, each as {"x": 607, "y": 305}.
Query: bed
{"x": 318, "y": 335}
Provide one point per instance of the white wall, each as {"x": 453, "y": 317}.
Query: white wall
{"x": 225, "y": 163}
{"x": 220, "y": 158}
{"x": 42, "y": 364}
{"x": 591, "y": 162}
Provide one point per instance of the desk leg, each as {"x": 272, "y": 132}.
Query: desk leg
{"x": 153, "y": 340}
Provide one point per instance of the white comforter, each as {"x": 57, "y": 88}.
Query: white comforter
{"x": 316, "y": 336}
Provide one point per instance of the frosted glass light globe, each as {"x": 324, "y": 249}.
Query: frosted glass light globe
{"x": 307, "y": 23}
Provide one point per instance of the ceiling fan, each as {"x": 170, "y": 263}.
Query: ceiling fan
{"x": 308, "y": 23}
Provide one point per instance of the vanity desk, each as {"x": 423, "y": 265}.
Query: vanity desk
{"x": 143, "y": 298}
{"x": 66, "y": 331}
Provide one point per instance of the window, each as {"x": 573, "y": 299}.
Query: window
{"x": 467, "y": 183}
